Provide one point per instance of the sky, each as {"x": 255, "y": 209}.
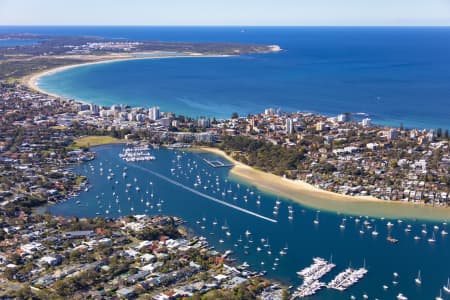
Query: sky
{"x": 227, "y": 12}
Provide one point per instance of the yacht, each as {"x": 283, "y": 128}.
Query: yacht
{"x": 440, "y": 295}
{"x": 446, "y": 288}
{"x": 316, "y": 220}
{"x": 418, "y": 279}
{"x": 400, "y": 296}
{"x": 432, "y": 239}
{"x": 375, "y": 232}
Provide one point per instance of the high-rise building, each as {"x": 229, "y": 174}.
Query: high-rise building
{"x": 203, "y": 122}
{"x": 320, "y": 126}
{"x": 153, "y": 113}
{"x": 289, "y": 126}
{"x": 392, "y": 134}
{"x": 366, "y": 122}
{"x": 343, "y": 118}
{"x": 95, "y": 109}
{"x": 269, "y": 111}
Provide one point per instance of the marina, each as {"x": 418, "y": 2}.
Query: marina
{"x": 136, "y": 154}
{"x": 234, "y": 215}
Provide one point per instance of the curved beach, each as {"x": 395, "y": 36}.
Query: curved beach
{"x": 310, "y": 196}
{"x": 32, "y": 80}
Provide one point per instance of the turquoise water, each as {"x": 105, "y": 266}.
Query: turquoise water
{"x": 395, "y": 75}
{"x": 304, "y": 239}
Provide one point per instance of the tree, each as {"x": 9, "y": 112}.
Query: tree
{"x": 234, "y": 115}
{"x": 439, "y": 132}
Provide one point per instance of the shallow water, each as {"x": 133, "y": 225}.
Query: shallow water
{"x": 304, "y": 239}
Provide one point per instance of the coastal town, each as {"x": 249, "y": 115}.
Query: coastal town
{"x": 337, "y": 154}
{"x": 153, "y": 257}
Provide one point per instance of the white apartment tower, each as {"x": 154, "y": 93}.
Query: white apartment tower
{"x": 289, "y": 126}
{"x": 153, "y": 113}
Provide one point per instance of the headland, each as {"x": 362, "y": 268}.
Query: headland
{"x": 313, "y": 197}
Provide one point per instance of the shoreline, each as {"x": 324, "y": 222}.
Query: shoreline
{"x": 308, "y": 195}
{"x": 32, "y": 80}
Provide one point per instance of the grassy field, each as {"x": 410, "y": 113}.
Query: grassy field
{"x": 93, "y": 140}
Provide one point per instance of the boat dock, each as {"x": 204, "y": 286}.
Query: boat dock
{"x": 217, "y": 163}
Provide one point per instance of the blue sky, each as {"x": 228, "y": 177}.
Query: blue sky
{"x": 225, "y": 12}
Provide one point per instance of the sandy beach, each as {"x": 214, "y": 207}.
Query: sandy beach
{"x": 32, "y": 80}
{"x": 310, "y": 196}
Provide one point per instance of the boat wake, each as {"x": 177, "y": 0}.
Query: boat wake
{"x": 249, "y": 212}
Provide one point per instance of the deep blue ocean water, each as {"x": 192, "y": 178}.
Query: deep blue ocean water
{"x": 304, "y": 239}
{"x": 394, "y": 74}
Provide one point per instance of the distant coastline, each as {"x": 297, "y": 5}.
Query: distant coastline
{"x": 310, "y": 196}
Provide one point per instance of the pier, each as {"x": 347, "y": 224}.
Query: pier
{"x": 217, "y": 163}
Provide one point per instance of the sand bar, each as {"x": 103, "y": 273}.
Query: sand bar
{"x": 310, "y": 196}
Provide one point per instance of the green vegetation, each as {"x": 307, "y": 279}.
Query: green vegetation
{"x": 13, "y": 69}
{"x": 263, "y": 155}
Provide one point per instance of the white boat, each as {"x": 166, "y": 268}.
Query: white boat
{"x": 225, "y": 226}
{"x": 400, "y": 296}
{"x": 316, "y": 220}
{"x": 432, "y": 239}
{"x": 440, "y": 295}
{"x": 418, "y": 279}
{"x": 385, "y": 287}
{"x": 375, "y": 232}
{"x": 443, "y": 232}
{"x": 446, "y": 288}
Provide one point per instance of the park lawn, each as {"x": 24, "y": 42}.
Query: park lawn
{"x": 93, "y": 140}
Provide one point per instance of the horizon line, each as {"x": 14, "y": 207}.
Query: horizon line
{"x": 206, "y": 25}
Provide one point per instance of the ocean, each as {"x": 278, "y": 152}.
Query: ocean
{"x": 303, "y": 238}
{"x": 393, "y": 74}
